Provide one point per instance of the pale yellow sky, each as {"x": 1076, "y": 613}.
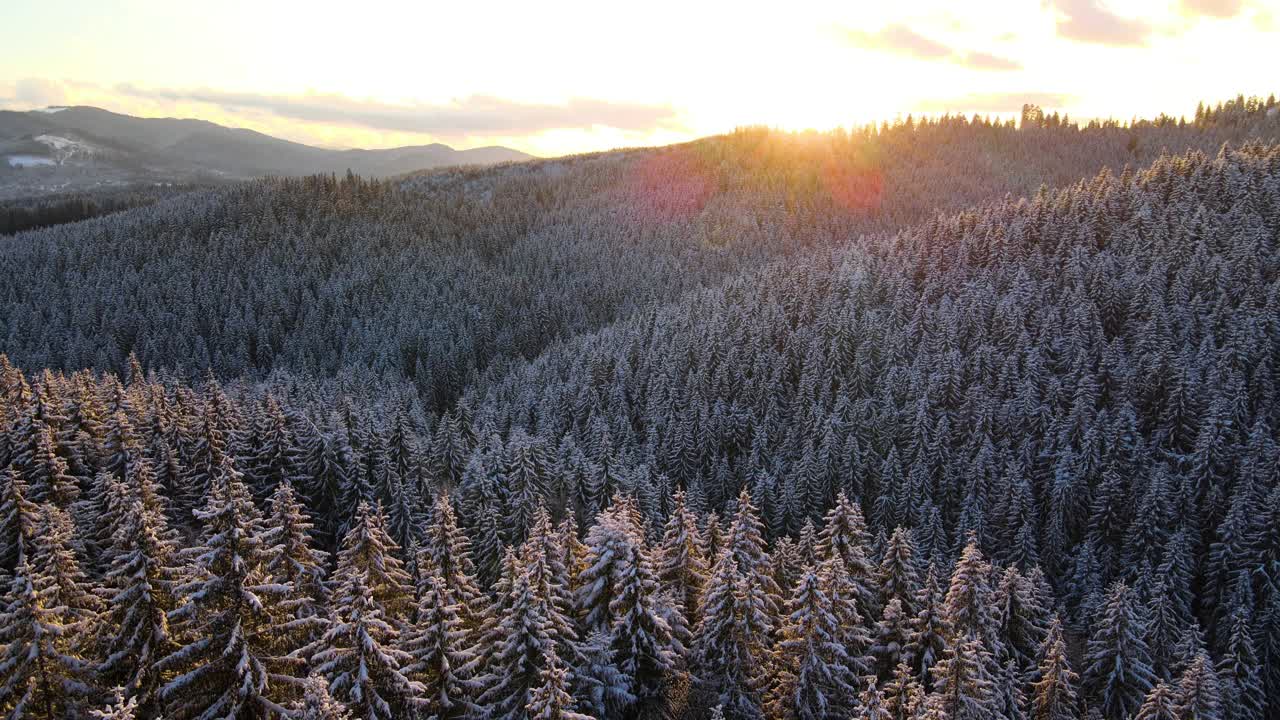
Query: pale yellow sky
{"x": 560, "y": 77}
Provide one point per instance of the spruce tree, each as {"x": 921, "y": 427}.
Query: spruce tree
{"x": 47, "y": 473}
{"x": 963, "y": 681}
{"x": 442, "y": 658}
{"x": 855, "y": 632}
{"x": 43, "y": 673}
{"x": 209, "y": 457}
{"x": 1161, "y": 703}
{"x": 369, "y": 551}
{"x": 600, "y": 687}
{"x": 899, "y": 575}
{"x": 273, "y": 459}
{"x": 516, "y": 646}
{"x": 294, "y": 562}
{"x": 227, "y": 618}
{"x": 360, "y": 655}
{"x": 551, "y": 699}
{"x": 18, "y": 518}
{"x": 323, "y": 466}
{"x": 1199, "y": 695}
{"x": 812, "y": 671}
{"x": 549, "y": 575}
{"x": 646, "y": 647}
{"x": 903, "y": 695}
{"x": 143, "y": 579}
{"x": 1053, "y": 694}
{"x": 448, "y": 552}
{"x": 619, "y": 594}
{"x": 732, "y": 646}
{"x": 681, "y": 568}
{"x": 1024, "y": 622}
{"x": 968, "y": 610}
{"x": 928, "y": 630}
{"x": 844, "y": 538}
{"x": 1240, "y": 672}
{"x": 1118, "y": 669}
{"x": 892, "y": 638}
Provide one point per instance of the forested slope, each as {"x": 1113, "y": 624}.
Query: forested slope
{"x": 442, "y": 276}
{"x": 1014, "y": 461}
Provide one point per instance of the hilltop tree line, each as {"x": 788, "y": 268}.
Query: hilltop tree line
{"x": 1015, "y": 462}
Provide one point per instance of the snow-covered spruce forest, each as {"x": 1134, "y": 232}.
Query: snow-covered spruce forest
{"x": 949, "y": 419}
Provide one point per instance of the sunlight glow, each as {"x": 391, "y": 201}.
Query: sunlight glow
{"x": 704, "y": 67}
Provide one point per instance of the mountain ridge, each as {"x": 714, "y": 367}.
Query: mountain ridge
{"x": 119, "y": 149}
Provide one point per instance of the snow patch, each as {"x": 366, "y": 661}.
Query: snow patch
{"x": 27, "y": 160}
{"x": 65, "y": 148}
{"x": 50, "y": 110}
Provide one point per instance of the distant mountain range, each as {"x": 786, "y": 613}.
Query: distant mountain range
{"x": 76, "y": 147}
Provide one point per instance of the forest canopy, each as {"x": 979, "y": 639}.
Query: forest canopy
{"x": 764, "y": 426}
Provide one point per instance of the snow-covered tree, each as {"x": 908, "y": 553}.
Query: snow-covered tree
{"x": 360, "y": 655}
{"x": 317, "y": 703}
{"x": 294, "y": 562}
{"x": 1240, "y": 672}
{"x": 871, "y": 702}
{"x": 812, "y": 677}
{"x": 443, "y": 660}
{"x": 548, "y": 572}
{"x": 43, "y": 674}
{"x": 732, "y": 641}
{"x": 928, "y": 630}
{"x": 551, "y": 699}
{"x": 516, "y": 646}
{"x": 1118, "y": 669}
{"x": 746, "y": 541}
{"x": 18, "y": 518}
{"x": 844, "y": 537}
{"x": 892, "y": 638}
{"x": 1053, "y": 695}
{"x": 898, "y": 573}
{"x": 1161, "y": 703}
{"x": 1023, "y": 621}
{"x": 47, "y": 473}
{"x": 963, "y": 681}
{"x": 969, "y": 610}
{"x": 118, "y": 709}
{"x": 681, "y": 568}
{"x": 1199, "y": 695}
{"x": 368, "y": 550}
{"x": 225, "y": 622}
{"x": 600, "y": 687}
{"x": 903, "y": 695}
{"x": 619, "y": 593}
{"x": 323, "y": 465}
{"x": 143, "y": 580}
{"x": 448, "y": 552}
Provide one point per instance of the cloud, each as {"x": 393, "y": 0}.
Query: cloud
{"x": 1212, "y": 8}
{"x": 902, "y": 40}
{"x": 474, "y": 115}
{"x": 1088, "y": 21}
{"x": 983, "y": 61}
{"x": 39, "y": 92}
{"x": 899, "y": 39}
{"x": 994, "y": 102}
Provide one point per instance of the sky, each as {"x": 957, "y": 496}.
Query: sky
{"x": 556, "y": 77}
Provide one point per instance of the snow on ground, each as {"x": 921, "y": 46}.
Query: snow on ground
{"x": 28, "y": 160}
{"x": 50, "y": 110}
{"x": 65, "y": 148}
